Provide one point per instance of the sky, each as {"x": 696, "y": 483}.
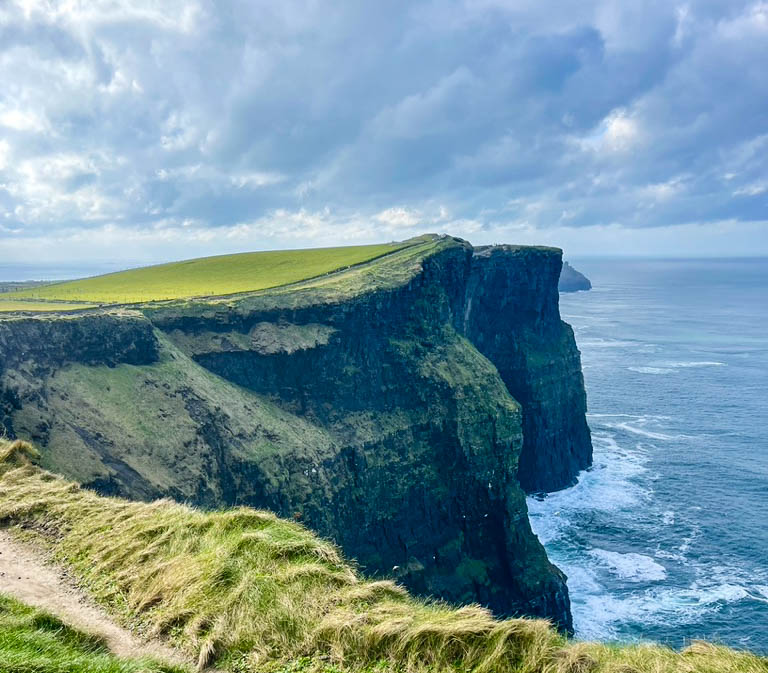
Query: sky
{"x": 144, "y": 131}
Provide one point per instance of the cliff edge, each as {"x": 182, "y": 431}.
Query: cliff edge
{"x": 401, "y": 408}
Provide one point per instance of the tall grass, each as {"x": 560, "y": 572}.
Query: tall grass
{"x": 250, "y": 592}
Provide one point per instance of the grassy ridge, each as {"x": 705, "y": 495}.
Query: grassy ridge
{"x": 248, "y": 591}
{"x": 32, "y": 641}
{"x": 208, "y": 276}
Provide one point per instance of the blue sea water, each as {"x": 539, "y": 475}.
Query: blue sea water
{"x": 666, "y": 536}
{"x": 21, "y": 271}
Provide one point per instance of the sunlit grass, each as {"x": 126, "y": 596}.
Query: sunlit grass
{"x": 208, "y": 276}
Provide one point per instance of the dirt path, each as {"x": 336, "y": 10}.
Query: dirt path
{"x": 26, "y": 576}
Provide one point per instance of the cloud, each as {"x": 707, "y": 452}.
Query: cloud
{"x": 398, "y": 218}
{"x": 179, "y": 125}
{"x": 617, "y": 133}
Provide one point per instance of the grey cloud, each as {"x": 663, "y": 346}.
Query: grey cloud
{"x": 489, "y": 112}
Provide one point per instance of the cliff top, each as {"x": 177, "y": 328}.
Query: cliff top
{"x": 287, "y": 278}
{"x": 206, "y": 276}
{"x": 248, "y": 591}
{"x": 515, "y": 249}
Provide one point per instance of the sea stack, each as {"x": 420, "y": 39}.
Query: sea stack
{"x": 572, "y": 280}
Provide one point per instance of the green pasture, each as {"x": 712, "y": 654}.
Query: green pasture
{"x": 204, "y": 277}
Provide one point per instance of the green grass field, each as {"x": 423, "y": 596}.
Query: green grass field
{"x": 18, "y": 305}
{"x": 32, "y": 641}
{"x": 249, "y": 592}
{"x": 204, "y": 277}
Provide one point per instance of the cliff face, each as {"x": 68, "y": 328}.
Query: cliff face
{"x": 512, "y": 317}
{"x": 45, "y": 343}
{"x": 379, "y": 416}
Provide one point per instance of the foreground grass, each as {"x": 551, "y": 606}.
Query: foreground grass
{"x": 251, "y": 592}
{"x": 32, "y": 641}
{"x": 209, "y": 276}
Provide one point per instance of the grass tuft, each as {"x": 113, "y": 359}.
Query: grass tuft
{"x": 247, "y": 591}
{"x": 18, "y": 453}
{"x": 32, "y": 641}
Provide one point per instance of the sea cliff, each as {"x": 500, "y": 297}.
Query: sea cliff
{"x": 402, "y": 408}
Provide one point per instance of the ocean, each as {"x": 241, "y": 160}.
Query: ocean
{"x": 666, "y": 537}
{"x": 21, "y": 271}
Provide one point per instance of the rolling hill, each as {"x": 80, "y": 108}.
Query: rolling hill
{"x": 203, "y": 277}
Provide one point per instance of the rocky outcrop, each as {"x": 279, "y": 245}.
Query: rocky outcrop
{"x": 47, "y": 342}
{"x": 572, "y": 280}
{"x": 31, "y": 348}
{"x": 512, "y": 317}
{"x": 397, "y": 409}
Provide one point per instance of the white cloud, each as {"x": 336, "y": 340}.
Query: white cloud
{"x": 5, "y": 153}
{"x": 22, "y": 119}
{"x": 617, "y": 133}
{"x": 752, "y": 190}
{"x": 399, "y": 218}
{"x": 179, "y": 132}
{"x": 663, "y": 191}
{"x": 59, "y": 187}
{"x": 683, "y": 24}
{"x": 256, "y": 179}
{"x": 169, "y": 15}
{"x": 621, "y": 132}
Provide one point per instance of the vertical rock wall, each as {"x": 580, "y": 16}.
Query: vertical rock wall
{"x": 512, "y": 316}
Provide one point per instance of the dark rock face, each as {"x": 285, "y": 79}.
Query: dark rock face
{"x": 102, "y": 339}
{"x": 9, "y": 402}
{"x": 34, "y": 347}
{"x": 572, "y": 280}
{"x": 537, "y": 358}
{"x": 400, "y": 422}
{"x": 429, "y": 487}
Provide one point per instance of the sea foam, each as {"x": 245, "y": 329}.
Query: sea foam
{"x": 689, "y": 365}
{"x": 630, "y": 566}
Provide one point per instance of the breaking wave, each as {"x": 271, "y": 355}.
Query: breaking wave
{"x": 650, "y": 579}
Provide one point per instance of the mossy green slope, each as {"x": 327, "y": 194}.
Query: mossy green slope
{"x": 107, "y": 420}
{"x": 32, "y": 641}
{"x": 208, "y": 276}
{"x": 250, "y": 592}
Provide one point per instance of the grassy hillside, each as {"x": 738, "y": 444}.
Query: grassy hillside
{"x": 133, "y": 405}
{"x": 32, "y": 641}
{"x": 248, "y": 591}
{"x": 208, "y": 276}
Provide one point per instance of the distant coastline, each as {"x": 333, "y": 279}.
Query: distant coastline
{"x": 25, "y": 273}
